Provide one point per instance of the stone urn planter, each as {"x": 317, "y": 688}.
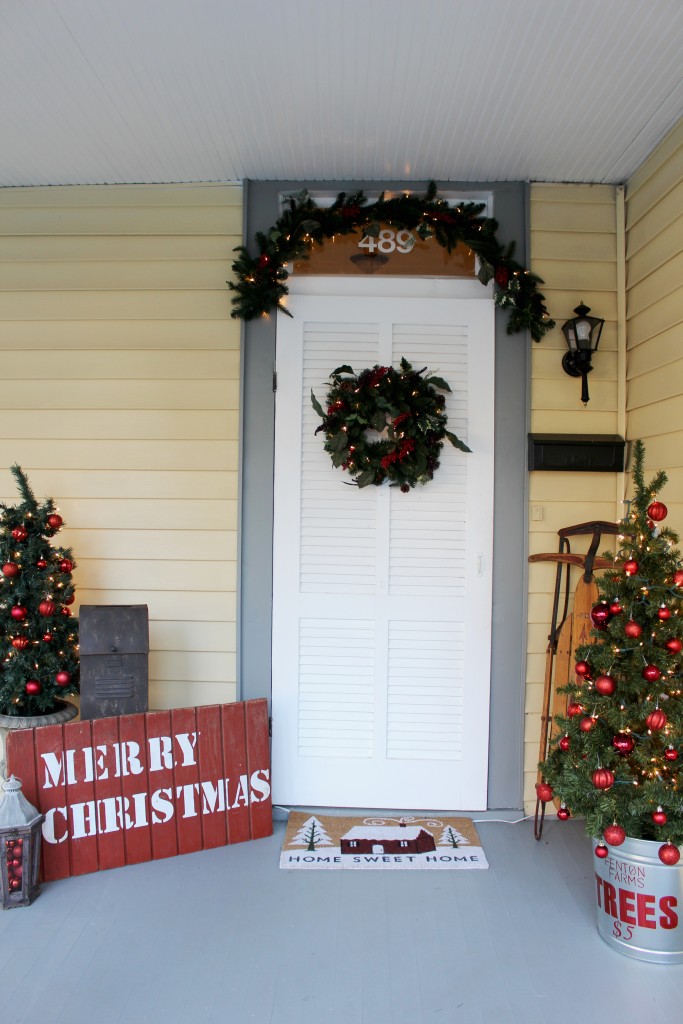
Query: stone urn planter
{"x": 63, "y": 714}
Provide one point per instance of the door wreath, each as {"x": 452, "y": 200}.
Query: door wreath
{"x": 404, "y": 411}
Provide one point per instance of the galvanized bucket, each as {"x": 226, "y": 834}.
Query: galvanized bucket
{"x": 640, "y": 902}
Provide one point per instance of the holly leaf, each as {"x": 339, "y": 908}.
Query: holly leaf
{"x": 379, "y": 421}
{"x": 365, "y": 478}
{"x": 457, "y": 443}
{"x": 340, "y": 457}
{"x": 317, "y": 406}
{"x": 338, "y": 442}
{"x": 342, "y": 369}
{"x": 440, "y": 383}
{"x": 485, "y": 272}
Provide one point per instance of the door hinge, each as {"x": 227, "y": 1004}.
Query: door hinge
{"x": 274, "y": 380}
{"x": 270, "y": 725}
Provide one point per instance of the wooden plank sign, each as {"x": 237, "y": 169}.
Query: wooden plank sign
{"x": 118, "y": 791}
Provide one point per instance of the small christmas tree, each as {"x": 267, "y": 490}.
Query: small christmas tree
{"x": 617, "y": 754}
{"x": 39, "y": 636}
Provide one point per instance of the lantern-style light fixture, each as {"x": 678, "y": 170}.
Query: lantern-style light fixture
{"x": 582, "y": 333}
{"x": 19, "y": 847}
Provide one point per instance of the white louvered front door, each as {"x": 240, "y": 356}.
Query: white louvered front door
{"x": 382, "y": 600}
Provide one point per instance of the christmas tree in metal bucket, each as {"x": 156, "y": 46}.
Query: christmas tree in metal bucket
{"x": 616, "y": 757}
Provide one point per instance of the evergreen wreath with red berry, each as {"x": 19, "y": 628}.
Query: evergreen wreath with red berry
{"x": 260, "y": 280}
{"x": 404, "y": 411}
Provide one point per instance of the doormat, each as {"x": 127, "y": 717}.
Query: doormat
{"x": 381, "y": 842}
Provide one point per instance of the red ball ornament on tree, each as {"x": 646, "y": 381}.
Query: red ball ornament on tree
{"x": 675, "y": 645}
{"x": 563, "y": 813}
{"x": 10, "y": 569}
{"x": 659, "y": 816}
{"x": 544, "y": 792}
{"x": 47, "y": 608}
{"x": 63, "y": 678}
{"x": 669, "y": 854}
{"x": 623, "y": 744}
{"x": 633, "y": 629}
{"x": 65, "y": 611}
{"x": 20, "y": 643}
{"x": 41, "y": 563}
{"x": 263, "y": 260}
{"x": 586, "y": 724}
{"x": 47, "y": 638}
{"x": 582, "y": 668}
{"x": 651, "y": 673}
{"x": 18, "y": 612}
{"x": 615, "y": 608}
{"x": 657, "y": 511}
{"x": 601, "y": 851}
{"x": 574, "y": 709}
{"x": 564, "y": 743}
{"x": 663, "y": 613}
{"x": 603, "y": 778}
{"x": 19, "y": 533}
{"x": 631, "y": 567}
{"x": 678, "y": 578}
{"x": 54, "y": 521}
{"x": 605, "y": 685}
{"x": 671, "y": 754}
{"x": 600, "y": 615}
{"x": 614, "y": 835}
{"x": 656, "y": 720}
{"x": 33, "y": 687}
{"x": 66, "y": 565}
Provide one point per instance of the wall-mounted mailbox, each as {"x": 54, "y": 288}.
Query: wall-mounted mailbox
{"x": 114, "y": 649}
{"x": 581, "y": 453}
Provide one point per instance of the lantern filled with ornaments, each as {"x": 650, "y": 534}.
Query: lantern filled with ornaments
{"x": 19, "y": 847}
{"x": 38, "y": 633}
{"x": 617, "y": 761}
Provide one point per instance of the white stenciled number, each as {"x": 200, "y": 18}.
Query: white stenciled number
{"x": 388, "y": 241}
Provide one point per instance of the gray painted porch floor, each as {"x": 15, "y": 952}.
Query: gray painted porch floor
{"x": 225, "y": 935}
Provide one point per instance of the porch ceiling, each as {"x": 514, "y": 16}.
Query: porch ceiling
{"x": 220, "y": 90}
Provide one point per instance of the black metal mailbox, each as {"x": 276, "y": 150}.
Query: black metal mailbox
{"x": 114, "y": 649}
{"x": 583, "y": 453}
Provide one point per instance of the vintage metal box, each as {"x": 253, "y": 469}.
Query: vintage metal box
{"x": 114, "y": 648}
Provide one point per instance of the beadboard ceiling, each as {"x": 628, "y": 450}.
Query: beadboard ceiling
{"x": 123, "y": 91}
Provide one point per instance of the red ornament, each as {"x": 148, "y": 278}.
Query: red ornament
{"x": 678, "y": 578}
{"x": 675, "y": 645}
{"x": 659, "y": 817}
{"x": 263, "y": 260}
{"x": 18, "y": 612}
{"x": 603, "y": 778}
{"x": 605, "y": 685}
{"x": 582, "y": 668}
{"x": 633, "y": 629}
{"x": 631, "y": 567}
{"x": 65, "y": 611}
{"x": 47, "y": 608}
{"x": 41, "y": 563}
{"x": 601, "y": 851}
{"x": 33, "y": 687}
{"x": 20, "y": 533}
{"x": 657, "y": 511}
{"x": 656, "y": 720}
{"x": 47, "y": 637}
{"x": 63, "y": 678}
{"x": 564, "y": 743}
{"x": 669, "y": 854}
{"x": 671, "y": 754}
{"x": 600, "y": 616}
{"x": 20, "y": 642}
{"x": 544, "y": 792}
{"x": 66, "y": 565}
{"x": 615, "y": 608}
{"x": 574, "y": 709}
{"x": 70, "y": 600}
{"x": 663, "y": 613}
{"x": 54, "y": 521}
{"x": 586, "y": 724}
{"x": 651, "y": 673}
{"x": 623, "y": 743}
{"x": 614, "y": 834}
{"x": 10, "y": 569}
{"x": 563, "y": 813}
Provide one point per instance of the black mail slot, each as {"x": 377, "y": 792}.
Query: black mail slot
{"x": 580, "y": 453}
{"x": 114, "y": 649}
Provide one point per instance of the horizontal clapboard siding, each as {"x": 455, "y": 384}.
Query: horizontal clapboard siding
{"x": 122, "y": 370}
{"x": 573, "y": 248}
{"x": 654, "y": 236}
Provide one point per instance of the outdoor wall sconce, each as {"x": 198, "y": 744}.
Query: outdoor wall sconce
{"x": 20, "y": 835}
{"x": 583, "y": 336}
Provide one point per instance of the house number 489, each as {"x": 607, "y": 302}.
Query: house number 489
{"x": 388, "y": 241}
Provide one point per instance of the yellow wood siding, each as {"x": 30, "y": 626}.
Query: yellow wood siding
{"x": 654, "y": 281}
{"x": 574, "y": 249}
{"x": 121, "y": 401}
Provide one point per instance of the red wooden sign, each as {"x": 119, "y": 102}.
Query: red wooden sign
{"x": 118, "y": 791}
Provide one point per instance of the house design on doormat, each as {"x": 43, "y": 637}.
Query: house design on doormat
{"x": 387, "y": 839}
